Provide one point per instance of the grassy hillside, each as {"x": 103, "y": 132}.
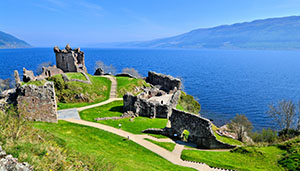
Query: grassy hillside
{"x": 242, "y": 159}
{"x": 68, "y": 92}
{"x": 9, "y": 41}
{"x": 126, "y": 84}
{"x": 107, "y": 148}
{"x": 188, "y": 103}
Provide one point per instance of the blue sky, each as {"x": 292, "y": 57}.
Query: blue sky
{"x": 45, "y": 23}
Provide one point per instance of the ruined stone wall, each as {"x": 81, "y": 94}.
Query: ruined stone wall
{"x": 70, "y": 60}
{"x": 165, "y": 82}
{"x": 37, "y": 103}
{"x": 145, "y": 108}
{"x": 199, "y": 128}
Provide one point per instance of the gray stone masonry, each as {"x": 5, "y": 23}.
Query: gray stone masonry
{"x": 37, "y": 103}
{"x": 70, "y": 60}
{"x": 199, "y": 128}
{"x": 166, "y": 83}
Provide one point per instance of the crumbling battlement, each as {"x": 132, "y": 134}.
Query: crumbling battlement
{"x": 166, "y": 83}
{"x": 70, "y": 60}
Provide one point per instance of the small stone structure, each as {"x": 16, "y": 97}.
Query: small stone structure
{"x": 199, "y": 128}
{"x": 8, "y": 163}
{"x": 28, "y": 75}
{"x": 37, "y": 103}
{"x": 50, "y": 71}
{"x": 165, "y": 82}
{"x": 70, "y": 60}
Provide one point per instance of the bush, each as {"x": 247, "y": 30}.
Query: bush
{"x": 291, "y": 160}
{"x": 266, "y": 135}
{"x": 286, "y": 134}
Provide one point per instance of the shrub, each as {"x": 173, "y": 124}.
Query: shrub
{"x": 240, "y": 125}
{"x": 291, "y": 160}
{"x": 286, "y": 134}
{"x": 266, "y": 135}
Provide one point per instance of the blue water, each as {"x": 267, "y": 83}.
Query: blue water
{"x": 225, "y": 82}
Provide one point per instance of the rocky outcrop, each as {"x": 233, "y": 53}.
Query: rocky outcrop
{"x": 199, "y": 128}
{"x": 8, "y": 163}
{"x": 125, "y": 75}
{"x": 28, "y": 75}
{"x": 69, "y": 60}
{"x": 164, "y": 82}
{"x": 99, "y": 71}
{"x": 37, "y": 103}
{"x": 7, "y": 98}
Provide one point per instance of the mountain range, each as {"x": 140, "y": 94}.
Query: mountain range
{"x": 9, "y": 41}
{"x": 272, "y": 33}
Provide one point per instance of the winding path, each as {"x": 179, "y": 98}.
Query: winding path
{"x": 72, "y": 115}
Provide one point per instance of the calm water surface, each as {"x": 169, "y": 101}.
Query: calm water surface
{"x": 225, "y": 82}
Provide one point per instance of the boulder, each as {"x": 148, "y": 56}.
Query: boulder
{"x": 99, "y": 71}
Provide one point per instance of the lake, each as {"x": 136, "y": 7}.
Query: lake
{"x": 225, "y": 82}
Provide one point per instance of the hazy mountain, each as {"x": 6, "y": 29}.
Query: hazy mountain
{"x": 9, "y": 41}
{"x": 273, "y": 33}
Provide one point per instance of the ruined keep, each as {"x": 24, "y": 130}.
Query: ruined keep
{"x": 199, "y": 128}
{"x": 37, "y": 103}
{"x": 70, "y": 60}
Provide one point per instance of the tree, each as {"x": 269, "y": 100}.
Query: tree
{"x": 106, "y": 68}
{"x": 132, "y": 72}
{"x": 39, "y": 69}
{"x": 284, "y": 113}
{"x": 241, "y": 126}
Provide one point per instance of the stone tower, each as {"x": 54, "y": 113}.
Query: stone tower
{"x": 70, "y": 60}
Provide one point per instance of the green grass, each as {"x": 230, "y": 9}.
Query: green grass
{"x": 124, "y": 154}
{"x": 166, "y": 145}
{"x": 112, "y": 109}
{"x": 126, "y": 84}
{"x": 77, "y": 76}
{"x": 157, "y": 135}
{"x": 264, "y": 158}
{"x": 66, "y": 92}
{"x": 37, "y": 83}
{"x": 115, "y": 109}
{"x": 137, "y": 125}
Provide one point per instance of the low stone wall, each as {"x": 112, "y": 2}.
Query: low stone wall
{"x": 87, "y": 81}
{"x": 199, "y": 128}
{"x": 166, "y": 83}
{"x": 37, "y": 103}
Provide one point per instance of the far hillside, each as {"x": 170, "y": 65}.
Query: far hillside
{"x": 9, "y": 41}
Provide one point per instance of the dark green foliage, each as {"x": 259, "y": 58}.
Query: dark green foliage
{"x": 288, "y": 134}
{"x": 291, "y": 159}
{"x": 266, "y": 135}
{"x": 188, "y": 103}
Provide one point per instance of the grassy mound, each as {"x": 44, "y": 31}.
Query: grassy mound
{"x": 188, "y": 103}
{"x": 126, "y": 155}
{"x": 126, "y": 84}
{"x": 246, "y": 159}
{"x": 291, "y": 159}
{"x": 77, "y": 76}
{"x": 41, "y": 149}
{"x": 166, "y": 145}
{"x": 67, "y": 92}
{"x": 112, "y": 109}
